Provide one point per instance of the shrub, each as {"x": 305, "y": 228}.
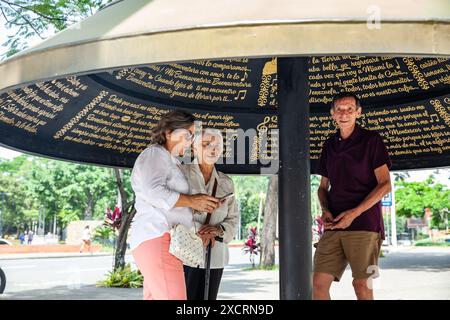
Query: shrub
{"x": 123, "y": 278}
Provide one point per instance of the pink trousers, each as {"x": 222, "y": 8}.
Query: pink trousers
{"x": 163, "y": 272}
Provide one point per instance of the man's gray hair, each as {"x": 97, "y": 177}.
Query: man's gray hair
{"x": 345, "y": 94}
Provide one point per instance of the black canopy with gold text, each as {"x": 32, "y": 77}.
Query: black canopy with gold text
{"x": 105, "y": 118}
{"x": 92, "y": 92}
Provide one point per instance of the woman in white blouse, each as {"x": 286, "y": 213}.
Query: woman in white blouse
{"x": 163, "y": 200}
{"x": 224, "y": 222}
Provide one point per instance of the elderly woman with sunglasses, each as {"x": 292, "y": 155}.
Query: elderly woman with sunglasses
{"x": 163, "y": 200}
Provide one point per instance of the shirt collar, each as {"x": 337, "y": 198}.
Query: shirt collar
{"x": 356, "y": 133}
{"x": 214, "y": 175}
{"x": 174, "y": 159}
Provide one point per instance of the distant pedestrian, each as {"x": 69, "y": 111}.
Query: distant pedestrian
{"x": 22, "y": 238}
{"x": 86, "y": 239}
{"x": 30, "y": 237}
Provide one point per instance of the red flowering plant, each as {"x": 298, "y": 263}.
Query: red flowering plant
{"x": 319, "y": 226}
{"x": 113, "y": 218}
{"x": 318, "y": 229}
{"x": 251, "y": 245}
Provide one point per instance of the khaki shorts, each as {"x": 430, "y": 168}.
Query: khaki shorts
{"x": 360, "y": 249}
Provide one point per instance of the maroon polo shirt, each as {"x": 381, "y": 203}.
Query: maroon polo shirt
{"x": 349, "y": 164}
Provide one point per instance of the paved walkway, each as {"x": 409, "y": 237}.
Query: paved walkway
{"x": 407, "y": 273}
{"x": 416, "y": 273}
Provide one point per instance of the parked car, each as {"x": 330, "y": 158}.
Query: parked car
{"x": 2, "y": 274}
{"x": 447, "y": 238}
{"x": 2, "y": 281}
{"x": 5, "y": 242}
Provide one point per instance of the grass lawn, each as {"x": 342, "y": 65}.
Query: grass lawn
{"x": 271, "y": 268}
{"x": 429, "y": 243}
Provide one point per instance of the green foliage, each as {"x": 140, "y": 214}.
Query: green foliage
{"x": 316, "y": 210}
{"x": 413, "y": 197}
{"x": 65, "y": 217}
{"x": 429, "y": 243}
{"x": 30, "y": 19}
{"x": 18, "y": 208}
{"x": 123, "y": 278}
{"x": 66, "y": 190}
{"x": 400, "y": 223}
{"x": 401, "y": 176}
{"x": 104, "y": 234}
{"x": 249, "y": 190}
{"x": 273, "y": 267}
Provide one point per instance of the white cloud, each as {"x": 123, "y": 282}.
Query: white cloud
{"x": 443, "y": 175}
{"x": 8, "y": 154}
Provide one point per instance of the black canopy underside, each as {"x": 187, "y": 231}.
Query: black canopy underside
{"x": 105, "y": 118}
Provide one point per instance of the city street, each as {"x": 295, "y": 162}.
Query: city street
{"x": 407, "y": 273}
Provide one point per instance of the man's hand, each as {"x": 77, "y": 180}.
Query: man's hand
{"x": 344, "y": 220}
{"x": 327, "y": 219}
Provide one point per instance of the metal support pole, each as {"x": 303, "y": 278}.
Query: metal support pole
{"x": 294, "y": 180}
{"x": 2, "y": 197}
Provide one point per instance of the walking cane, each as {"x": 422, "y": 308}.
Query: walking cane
{"x": 208, "y": 250}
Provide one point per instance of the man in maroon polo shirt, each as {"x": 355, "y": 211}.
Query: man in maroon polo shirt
{"x": 354, "y": 165}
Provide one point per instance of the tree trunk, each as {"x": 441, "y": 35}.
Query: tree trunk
{"x": 89, "y": 207}
{"x": 128, "y": 212}
{"x": 270, "y": 224}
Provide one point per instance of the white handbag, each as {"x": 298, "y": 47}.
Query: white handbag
{"x": 186, "y": 245}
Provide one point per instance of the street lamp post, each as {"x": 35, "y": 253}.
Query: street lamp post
{"x": 393, "y": 214}
{"x": 2, "y": 197}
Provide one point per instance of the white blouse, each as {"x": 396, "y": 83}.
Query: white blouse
{"x": 227, "y": 215}
{"x": 157, "y": 182}
{"x": 86, "y": 234}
